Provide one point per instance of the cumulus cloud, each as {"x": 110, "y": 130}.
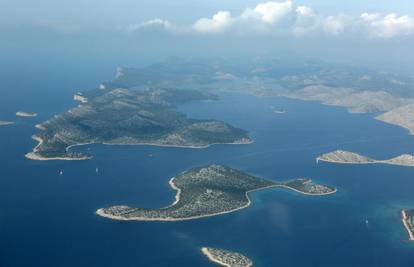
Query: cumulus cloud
{"x": 387, "y": 26}
{"x": 284, "y": 17}
{"x": 269, "y": 12}
{"x": 218, "y": 23}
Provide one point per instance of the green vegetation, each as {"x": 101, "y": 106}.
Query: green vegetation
{"x": 208, "y": 191}
{"x": 128, "y": 116}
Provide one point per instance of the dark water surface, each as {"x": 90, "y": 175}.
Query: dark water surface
{"x": 49, "y": 220}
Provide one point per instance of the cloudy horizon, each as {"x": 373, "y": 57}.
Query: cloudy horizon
{"x": 369, "y": 32}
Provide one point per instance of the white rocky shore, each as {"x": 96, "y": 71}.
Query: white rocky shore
{"x": 401, "y": 116}
{"x": 4, "y": 123}
{"x": 226, "y": 258}
{"x": 26, "y": 114}
{"x": 346, "y": 157}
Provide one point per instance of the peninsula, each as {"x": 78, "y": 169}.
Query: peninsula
{"x": 25, "y": 114}
{"x": 346, "y": 157}
{"x": 131, "y": 117}
{"x": 4, "y": 123}
{"x": 209, "y": 191}
{"x": 400, "y": 116}
{"x": 407, "y": 218}
{"x": 226, "y": 258}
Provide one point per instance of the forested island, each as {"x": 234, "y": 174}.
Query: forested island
{"x": 208, "y": 191}
{"x": 226, "y": 258}
{"x": 131, "y": 117}
{"x": 346, "y": 157}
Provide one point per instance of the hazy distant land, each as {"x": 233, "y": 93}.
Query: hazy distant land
{"x": 226, "y": 258}
{"x": 346, "y": 157}
{"x": 131, "y": 117}
{"x": 357, "y": 89}
{"x": 209, "y": 191}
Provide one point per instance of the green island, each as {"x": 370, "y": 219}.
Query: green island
{"x": 346, "y": 157}
{"x": 131, "y": 117}
{"x": 407, "y": 218}
{"x": 226, "y": 258}
{"x": 208, "y": 191}
{"x": 26, "y": 114}
{"x": 4, "y": 123}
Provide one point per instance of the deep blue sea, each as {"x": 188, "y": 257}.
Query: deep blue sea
{"x": 49, "y": 220}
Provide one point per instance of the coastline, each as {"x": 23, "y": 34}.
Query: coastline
{"x": 409, "y": 129}
{"x": 5, "y": 123}
{"x": 101, "y": 212}
{"x": 309, "y": 194}
{"x": 363, "y": 163}
{"x": 407, "y": 228}
{"x": 26, "y": 114}
{"x": 34, "y": 156}
{"x": 178, "y": 146}
{"x": 211, "y": 257}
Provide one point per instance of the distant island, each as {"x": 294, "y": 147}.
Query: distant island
{"x": 351, "y": 87}
{"x": 209, "y": 191}
{"x": 407, "y": 218}
{"x": 131, "y": 117}
{"x": 346, "y": 157}
{"x": 226, "y": 258}
{"x": 278, "y": 110}
{"x": 4, "y": 123}
{"x": 26, "y": 114}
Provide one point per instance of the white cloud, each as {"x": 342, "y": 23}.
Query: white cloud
{"x": 269, "y": 12}
{"x": 335, "y": 24}
{"x": 306, "y": 21}
{"x": 153, "y": 23}
{"x": 305, "y": 11}
{"x": 218, "y": 23}
{"x": 387, "y": 26}
{"x": 284, "y": 17}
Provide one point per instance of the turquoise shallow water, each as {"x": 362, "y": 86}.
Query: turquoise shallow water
{"x": 49, "y": 220}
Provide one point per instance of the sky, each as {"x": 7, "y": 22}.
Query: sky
{"x": 132, "y": 32}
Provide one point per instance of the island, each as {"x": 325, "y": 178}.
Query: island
{"x": 401, "y": 116}
{"x": 131, "y": 117}
{"x": 209, "y": 191}
{"x": 346, "y": 157}
{"x": 350, "y": 87}
{"x": 226, "y": 258}
{"x": 26, "y": 114}
{"x": 407, "y": 218}
{"x": 4, "y": 123}
{"x": 278, "y": 110}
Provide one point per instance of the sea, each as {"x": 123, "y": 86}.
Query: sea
{"x": 48, "y": 219}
